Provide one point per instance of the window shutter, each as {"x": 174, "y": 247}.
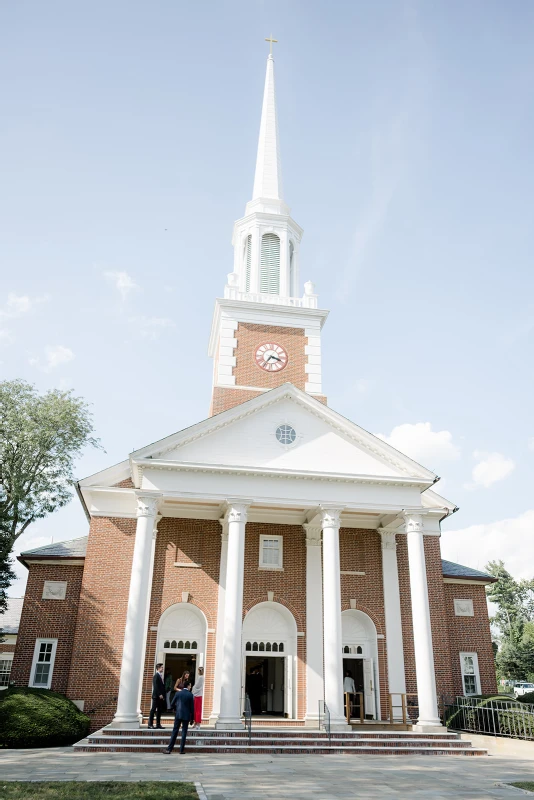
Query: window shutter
{"x": 270, "y": 264}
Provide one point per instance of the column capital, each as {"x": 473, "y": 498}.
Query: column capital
{"x": 389, "y": 541}
{"x": 147, "y": 504}
{"x": 331, "y": 516}
{"x": 237, "y": 510}
{"x": 413, "y": 520}
{"x": 313, "y": 534}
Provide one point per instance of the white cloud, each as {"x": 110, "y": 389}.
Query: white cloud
{"x": 491, "y": 467}
{"x": 507, "y": 539}
{"x": 420, "y": 442}
{"x": 6, "y": 337}
{"x": 531, "y": 443}
{"x": 54, "y": 357}
{"x": 152, "y": 327}
{"x": 124, "y": 283}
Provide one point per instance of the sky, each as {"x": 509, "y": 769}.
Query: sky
{"x": 127, "y": 150}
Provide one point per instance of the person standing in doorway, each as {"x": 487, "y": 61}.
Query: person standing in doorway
{"x": 198, "y": 693}
{"x": 180, "y": 683}
{"x": 185, "y": 712}
{"x": 349, "y": 689}
{"x": 158, "y": 698}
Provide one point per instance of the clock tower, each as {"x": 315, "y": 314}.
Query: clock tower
{"x": 264, "y": 333}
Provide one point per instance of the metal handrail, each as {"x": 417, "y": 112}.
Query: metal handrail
{"x": 248, "y": 718}
{"x": 507, "y": 717}
{"x": 102, "y": 705}
{"x": 326, "y": 718}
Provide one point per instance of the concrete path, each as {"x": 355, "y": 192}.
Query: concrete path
{"x": 262, "y": 777}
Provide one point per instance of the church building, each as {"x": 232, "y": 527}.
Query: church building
{"x": 275, "y": 537}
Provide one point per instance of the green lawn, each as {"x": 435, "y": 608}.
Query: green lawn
{"x": 529, "y": 785}
{"x": 105, "y": 790}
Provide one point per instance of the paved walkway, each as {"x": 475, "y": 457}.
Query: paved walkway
{"x": 262, "y": 777}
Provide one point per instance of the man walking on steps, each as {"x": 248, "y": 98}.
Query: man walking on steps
{"x": 158, "y": 698}
{"x": 185, "y": 713}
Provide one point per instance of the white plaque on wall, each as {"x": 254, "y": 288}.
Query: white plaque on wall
{"x": 54, "y": 590}
{"x": 464, "y": 608}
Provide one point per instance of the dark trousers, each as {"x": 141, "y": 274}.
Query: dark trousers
{"x": 155, "y": 708}
{"x": 174, "y": 735}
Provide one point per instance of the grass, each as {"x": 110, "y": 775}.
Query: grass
{"x": 108, "y": 790}
{"x": 528, "y": 785}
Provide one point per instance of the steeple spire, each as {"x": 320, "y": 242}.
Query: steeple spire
{"x": 268, "y": 176}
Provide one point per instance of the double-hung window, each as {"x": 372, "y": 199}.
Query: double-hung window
{"x": 470, "y": 673}
{"x": 271, "y": 553}
{"x": 6, "y": 662}
{"x": 44, "y": 656}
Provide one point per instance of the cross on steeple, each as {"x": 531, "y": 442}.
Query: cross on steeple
{"x": 271, "y": 41}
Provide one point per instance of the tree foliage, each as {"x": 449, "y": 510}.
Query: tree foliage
{"x": 513, "y": 621}
{"x": 40, "y": 438}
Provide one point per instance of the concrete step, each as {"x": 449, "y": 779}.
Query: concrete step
{"x": 301, "y": 734}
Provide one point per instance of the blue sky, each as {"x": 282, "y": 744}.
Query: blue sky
{"x": 127, "y": 150}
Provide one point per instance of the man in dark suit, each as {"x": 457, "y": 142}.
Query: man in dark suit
{"x": 158, "y": 698}
{"x": 184, "y": 704}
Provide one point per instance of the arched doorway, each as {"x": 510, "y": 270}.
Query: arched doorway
{"x": 181, "y": 641}
{"x": 269, "y": 660}
{"x": 360, "y": 657}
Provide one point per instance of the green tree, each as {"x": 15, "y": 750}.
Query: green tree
{"x": 40, "y": 438}
{"x": 513, "y": 621}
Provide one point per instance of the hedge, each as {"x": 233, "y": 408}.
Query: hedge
{"x": 527, "y": 698}
{"x": 39, "y": 718}
{"x": 494, "y": 715}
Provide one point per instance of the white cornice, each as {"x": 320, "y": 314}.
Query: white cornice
{"x": 472, "y": 582}
{"x": 270, "y": 472}
{"x": 246, "y": 311}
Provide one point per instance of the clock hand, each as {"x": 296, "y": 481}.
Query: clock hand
{"x": 272, "y": 356}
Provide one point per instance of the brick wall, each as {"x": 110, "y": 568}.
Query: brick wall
{"x": 360, "y": 550}
{"x": 99, "y": 637}
{"x": 470, "y": 634}
{"x": 247, "y": 373}
{"x": 288, "y": 587}
{"x": 48, "y": 619}
{"x": 185, "y": 540}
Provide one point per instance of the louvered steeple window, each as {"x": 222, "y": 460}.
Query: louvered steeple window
{"x": 248, "y": 258}
{"x": 270, "y": 264}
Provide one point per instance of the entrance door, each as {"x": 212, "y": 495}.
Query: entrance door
{"x": 369, "y": 689}
{"x": 178, "y": 663}
{"x": 265, "y": 684}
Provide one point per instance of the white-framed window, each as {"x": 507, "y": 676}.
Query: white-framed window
{"x": 271, "y": 552}
{"x": 6, "y": 662}
{"x": 44, "y": 655}
{"x": 470, "y": 673}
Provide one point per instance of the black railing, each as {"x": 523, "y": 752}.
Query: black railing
{"x": 248, "y": 718}
{"x": 324, "y": 718}
{"x": 102, "y": 705}
{"x": 493, "y": 716}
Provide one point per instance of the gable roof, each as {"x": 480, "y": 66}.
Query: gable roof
{"x": 367, "y": 442}
{"x": 452, "y": 570}
{"x": 73, "y": 548}
{"x": 10, "y": 619}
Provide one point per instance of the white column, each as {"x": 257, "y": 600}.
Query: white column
{"x": 128, "y": 714}
{"x": 392, "y": 610}
{"x": 314, "y": 624}
{"x": 422, "y": 631}
{"x": 216, "y": 708}
{"x": 230, "y": 711}
{"x": 332, "y": 636}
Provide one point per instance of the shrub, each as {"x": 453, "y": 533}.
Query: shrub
{"x": 517, "y": 722}
{"x": 527, "y": 698}
{"x": 39, "y": 718}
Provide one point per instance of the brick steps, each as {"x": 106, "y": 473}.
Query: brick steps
{"x": 289, "y": 742}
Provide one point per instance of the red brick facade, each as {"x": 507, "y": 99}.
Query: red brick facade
{"x": 247, "y": 373}
{"x": 89, "y": 623}
{"x": 48, "y": 619}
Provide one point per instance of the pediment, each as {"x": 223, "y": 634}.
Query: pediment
{"x": 245, "y": 436}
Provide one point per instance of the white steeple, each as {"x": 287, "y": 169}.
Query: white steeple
{"x": 268, "y": 177}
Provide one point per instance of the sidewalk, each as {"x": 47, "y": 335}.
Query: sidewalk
{"x": 265, "y": 777}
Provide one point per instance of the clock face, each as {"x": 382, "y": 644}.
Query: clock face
{"x": 271, "y": 357}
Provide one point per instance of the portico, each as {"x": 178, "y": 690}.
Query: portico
{"x": 317, "y": 504}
